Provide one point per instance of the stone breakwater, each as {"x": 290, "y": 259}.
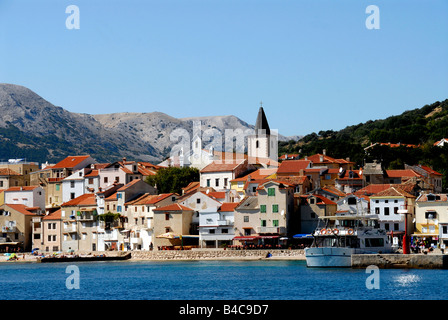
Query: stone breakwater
{"x": 218, "y": 254}
{"x": 401, "y": 261}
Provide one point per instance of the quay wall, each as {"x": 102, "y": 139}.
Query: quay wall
{"x": 402, "y": 261}
{"x": 217, "y": 254}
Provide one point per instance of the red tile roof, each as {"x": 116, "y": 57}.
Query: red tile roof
{"x": 406, "y": 173}
{"x": 21, "y": 208}
{"x": 174, "y": 207}
{"x": 293, "y": 166}
{"x": 393, "y": 192}
{"x": 24, "y": 188}
{"x": 228, "y": 206}
{"x": 54, "y": 215}
{"x": 130, "y": 184}
{"x": 147, "y": 198}
{"x": 316, "y": 158}
{"x": 220, "y": 166}
{"x": 87, "y": 199}
{"x": 8, "y": 172}
{"x": 70, "y": 162}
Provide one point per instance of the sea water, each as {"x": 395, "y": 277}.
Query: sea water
{"x": 214, "y": 280}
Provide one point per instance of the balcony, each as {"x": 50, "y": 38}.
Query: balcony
{"x": 225, "y": 223}
{"x": 279, "y": 230}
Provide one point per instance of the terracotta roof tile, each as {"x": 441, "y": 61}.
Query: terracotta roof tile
{"x": 87, "y": 199}
{"x": 70, "y": 162}
{"x": 228, "y": 206}
{"x": 8, "y": 172}
{"x": 220, "y": 166}
{"x": 174, "y": 207}
{"x": 293, "y": 166}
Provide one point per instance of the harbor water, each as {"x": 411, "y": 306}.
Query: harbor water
{"x": 215, "y": 280}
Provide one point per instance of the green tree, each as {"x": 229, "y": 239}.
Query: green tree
{"x": 173, "y": 179}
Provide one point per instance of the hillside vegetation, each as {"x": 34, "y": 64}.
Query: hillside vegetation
{"x": 421, "y": 127}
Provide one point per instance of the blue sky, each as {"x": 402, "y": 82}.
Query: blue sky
{"x": 314, "y": 64}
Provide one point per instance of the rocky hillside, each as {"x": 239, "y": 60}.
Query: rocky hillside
{"x": 33, "y": 128}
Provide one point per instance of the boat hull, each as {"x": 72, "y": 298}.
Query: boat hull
{"x": 328, "y": 257}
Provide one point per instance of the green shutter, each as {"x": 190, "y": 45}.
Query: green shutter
{"x": 263, "y": 208}
{"x": 271, "y": 191}
{"x": 275, "y": 208}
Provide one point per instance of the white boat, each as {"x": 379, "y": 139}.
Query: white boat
{"x": 336, "y": 238}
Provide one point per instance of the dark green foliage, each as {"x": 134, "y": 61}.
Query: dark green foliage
{"x": 421, "y": 127}
{"x": 173, "y": 179}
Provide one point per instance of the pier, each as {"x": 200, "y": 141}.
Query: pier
{"x": 401, "y": 261}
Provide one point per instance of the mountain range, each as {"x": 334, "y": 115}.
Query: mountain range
{"x": 35, "y": 129}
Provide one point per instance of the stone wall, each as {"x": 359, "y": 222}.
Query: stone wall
{"x": 215, "y": 254}
{"x": 416, "y": 261}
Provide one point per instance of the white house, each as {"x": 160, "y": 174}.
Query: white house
{"x": 391, "y": 205}
{"x": 31, "y": 196}
{"x": 218, "y": 174}
{"x": 352, "y": 204}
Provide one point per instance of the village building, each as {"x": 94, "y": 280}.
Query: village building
{"x": 139, "y": 219}
{"x": 173, "y": 227}
{"x": 50, "y": 178}
{"x": 219, "y": 174}
{"x": 50, "y": 233}
{"x": 311, "y": 207}
{"x": 431, "y": 220}
{"x": 79, "y": 219}
{"x": 394, "y": 208}
{"x": 16, "y": 172}
{"x": 16, "y": 221}
{"x": 31, "y": 197}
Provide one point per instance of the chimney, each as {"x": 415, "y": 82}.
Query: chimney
{"x": 321, "y": 158}
{"x": 324, "y": 152}
{"x": 124, "y": 159}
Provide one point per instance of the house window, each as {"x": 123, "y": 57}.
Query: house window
{"x": 263, "y": 223}
{"x": 58, "y": 186}
{"x": 257, "y": 144}
{"x": 118, "y": 208}
{"x": 117, "y": 179}
{"x": 224, "y": 230}
{"x": 167, "y": 229}
{"x": 217, "y": 182}
{"x": 386, "y": 211}
{"x": 262, "y": 208}
{"x": 445, "y": 229}
{"x": 167, "y": 216}
{"x": 377, "y": 210}
{"x": 225, "y": 181}
{"x": 386, "y": 226}
{"x": 246, "y": 218}
{"x": 72, "y": 184}
{"x": 211, "y": 231}
{"x": 351, "y": 200}
{"x": 247, "y": 232}
{"x": 72, "y": 195}
{"x": 275, "y": 208}
{"x": 90, "y": 180}
{"x": 275, "y": 223}
{"x": 208, "y": 182}
{"x": 430, "y": 215}
{"x": 198, "y": 200}
{"x": 396, "y": 210}
{"x": 106, "y": 179}
{"x": 311, "y": 200}
{"x": 396, "y": 226}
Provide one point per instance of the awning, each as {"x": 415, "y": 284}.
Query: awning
{"x": 167, "y": 235}
{"x": 186, "y": 236}
{"x": 245, "y": 238}
{"x": 302, "y": 236}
